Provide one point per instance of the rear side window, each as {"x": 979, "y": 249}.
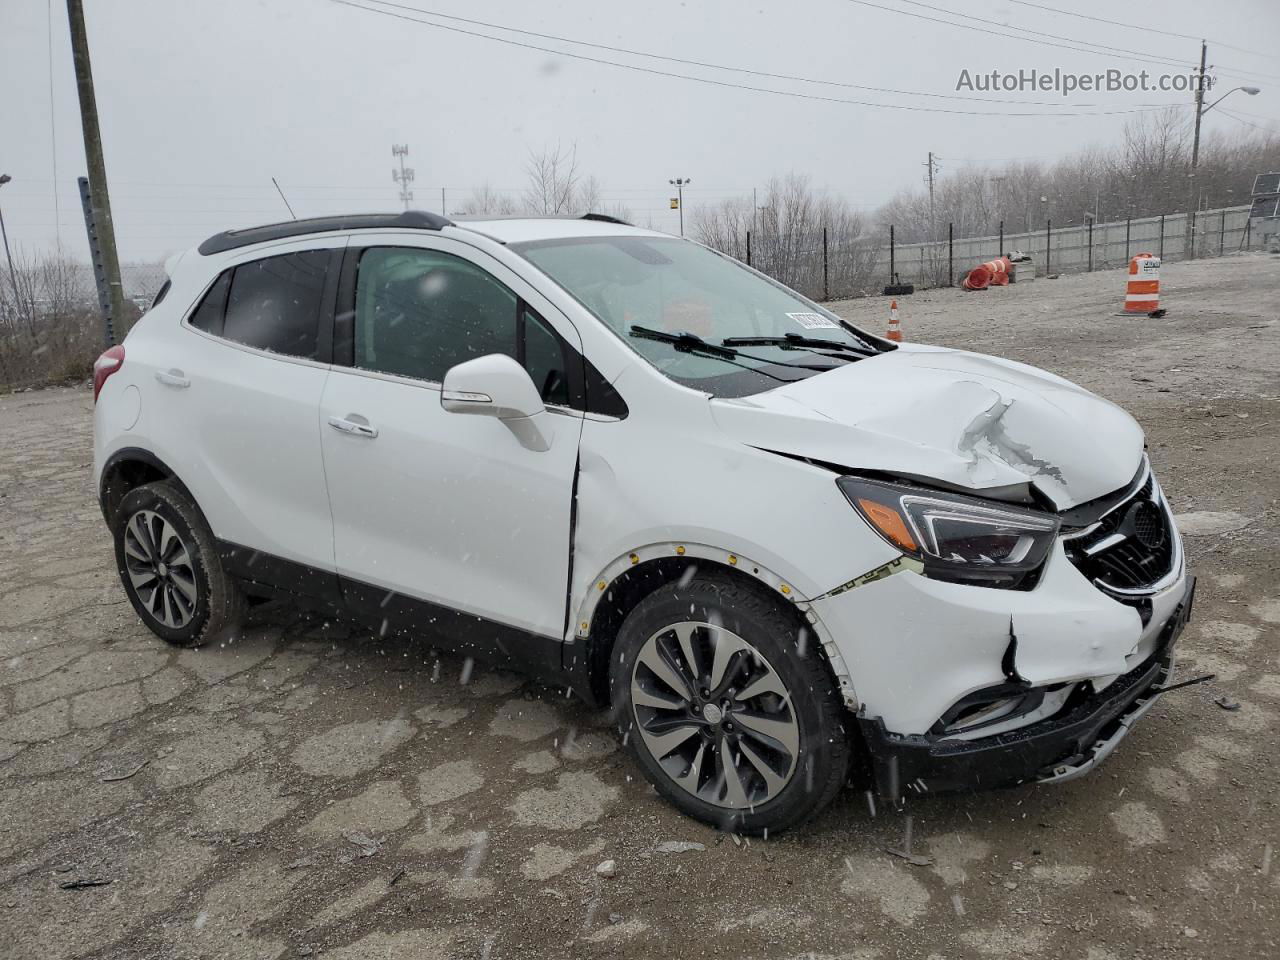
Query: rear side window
{"x": 274, "y": 304}
{"x": 208, "y": 316}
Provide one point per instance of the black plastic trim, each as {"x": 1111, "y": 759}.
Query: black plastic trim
{"x": 264, "y": 574}
{"x": 344, "y": 316}
{"x": 463, "y": 633}
{"x": 1084, "y": 514}
{"x": 604, "y": 218}
{"x": 125, "y": 455}
{"x": 390, "y": 612}
{"x": 410, "y": 219}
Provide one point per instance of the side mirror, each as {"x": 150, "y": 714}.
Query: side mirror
{"x": 491, "y": 386}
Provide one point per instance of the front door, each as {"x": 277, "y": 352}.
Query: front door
{"x": 447, "y": 525}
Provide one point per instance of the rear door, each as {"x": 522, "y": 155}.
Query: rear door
{"x": 446, "y": 523}
{"x": 236, "y": 395}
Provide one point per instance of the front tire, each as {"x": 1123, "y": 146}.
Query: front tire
{"x": 721, "y": 695}
{"x": 170, "y": 569}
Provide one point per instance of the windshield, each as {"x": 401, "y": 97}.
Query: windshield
{"x": 653, "y": 291}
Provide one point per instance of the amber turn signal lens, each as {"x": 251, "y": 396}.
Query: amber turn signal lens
{"x": 889, "y": 522}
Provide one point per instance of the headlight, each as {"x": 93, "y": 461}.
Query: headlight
{"x": 957, "y": 538}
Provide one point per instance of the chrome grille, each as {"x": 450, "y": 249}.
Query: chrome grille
{"x": 1130, "y": 549}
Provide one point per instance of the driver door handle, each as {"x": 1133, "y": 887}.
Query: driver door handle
{"x": 352, "y": 424}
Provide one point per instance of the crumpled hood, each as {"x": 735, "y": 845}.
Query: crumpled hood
{"x": 961, "y": 418}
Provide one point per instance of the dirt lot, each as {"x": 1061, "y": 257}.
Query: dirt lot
{"x": 311, "y": 790}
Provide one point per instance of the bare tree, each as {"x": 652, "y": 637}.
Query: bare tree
{"x": 553, "y": 177}
{"x": 485, "y": 199}
{"x": 587, "y": 199}
{"x": 786, "y": 236}
{"x": 1144, "y": 175}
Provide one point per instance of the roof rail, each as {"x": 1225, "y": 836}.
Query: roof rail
{"x": 603, "y": 218}
{"x": 412, "y": 219}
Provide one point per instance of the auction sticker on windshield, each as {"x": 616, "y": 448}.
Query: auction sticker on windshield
{"x": 813, "y": 321}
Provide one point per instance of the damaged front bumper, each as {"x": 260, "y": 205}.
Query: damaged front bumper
{"x": 1054, "y": 750}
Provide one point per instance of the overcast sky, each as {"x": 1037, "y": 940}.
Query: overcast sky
{"x": 203, "y": 102}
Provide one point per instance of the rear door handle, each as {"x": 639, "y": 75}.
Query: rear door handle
{"x": 351, "y": 425}
{"x": 173, "y": 378}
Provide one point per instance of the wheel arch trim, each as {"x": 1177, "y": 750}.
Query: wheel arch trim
{"x": 600, "y": 587}
{"x": 130, "y": 454}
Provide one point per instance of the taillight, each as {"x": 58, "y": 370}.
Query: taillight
{"x": 107, "y": 364}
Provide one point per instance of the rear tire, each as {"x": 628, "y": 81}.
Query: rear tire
{"x": 169, "y": 565}
{"x": 721, "y": 695}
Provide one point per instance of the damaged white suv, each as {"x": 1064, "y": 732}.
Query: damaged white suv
{"x": 782, "y": 549}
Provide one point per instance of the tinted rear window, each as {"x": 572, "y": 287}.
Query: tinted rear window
{"x": 208, "y": 316}
{"x": 274, "y": 304}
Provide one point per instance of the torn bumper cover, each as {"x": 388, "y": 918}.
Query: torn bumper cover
{"x": 1056, "y": 749}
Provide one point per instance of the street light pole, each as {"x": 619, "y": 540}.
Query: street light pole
{"x": 679, "y": 184}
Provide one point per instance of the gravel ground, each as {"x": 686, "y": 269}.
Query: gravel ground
{"x": 310, "y": 790}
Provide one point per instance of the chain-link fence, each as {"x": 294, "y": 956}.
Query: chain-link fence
{"x": 826, "y": 270}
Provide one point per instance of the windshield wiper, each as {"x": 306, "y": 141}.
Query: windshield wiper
{"x": 685, "y": 341}
{"x": 795, "y": 341}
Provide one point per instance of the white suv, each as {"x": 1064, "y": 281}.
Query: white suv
{"x": 782, "y": 549}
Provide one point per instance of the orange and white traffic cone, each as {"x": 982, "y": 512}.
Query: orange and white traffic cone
{"x": 1142, "y": 293}
{"x": 895, "y": 331}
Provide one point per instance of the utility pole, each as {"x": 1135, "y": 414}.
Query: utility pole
{"x": 1195, "y": 194}
{"x": 13, "y": 277}
{"x": 403, "y": 176}
{"x": 932, "y": 166}
{"x": 679, "y": 183}
{"x": 1189, "y": 239}
{"x": 99, "y": 200}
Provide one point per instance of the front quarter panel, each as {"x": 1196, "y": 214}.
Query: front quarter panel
{"x": 666, "y": 477}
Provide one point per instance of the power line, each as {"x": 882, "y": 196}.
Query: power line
{"x": 1072, "y": 43}
{"x": 1248, "y": 123}
{"x": 1144, "y": 27}
{"x": 719, "y": 66}
{"x": 1115, "y": 53}
{"x": 737, "y": 86}
{"x": 1037, "y": 33}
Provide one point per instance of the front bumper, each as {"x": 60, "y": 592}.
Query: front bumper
{"x": 1056, "y": 749}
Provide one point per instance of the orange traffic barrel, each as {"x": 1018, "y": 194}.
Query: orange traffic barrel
{"x": 1142, "y": 295}
{"x": 993, "y": 273}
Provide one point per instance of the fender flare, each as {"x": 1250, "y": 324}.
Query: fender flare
{"x": 599, "y": 586}
{"x": 130, "y": 453}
